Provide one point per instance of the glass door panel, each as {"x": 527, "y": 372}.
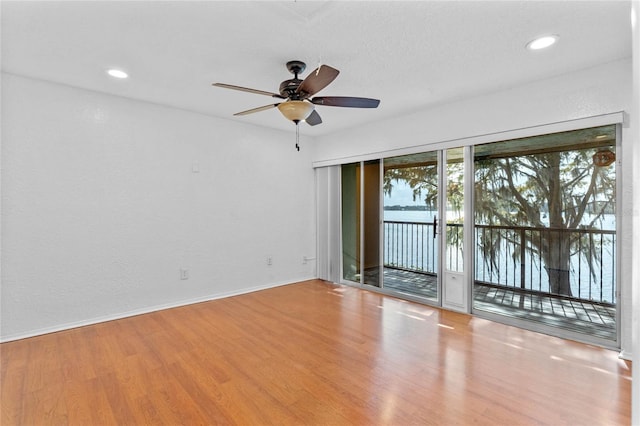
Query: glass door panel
{"x": 351, "y": 222}
{"x": 453, "y": 255}
{"x": 545, "y": 230}
{"x": 410, "y": 238}
{"x": 361, "y": 222}
{"x": 371, "y": 223}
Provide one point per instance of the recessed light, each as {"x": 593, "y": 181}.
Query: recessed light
{"x": 542, "y": 42}
{"x": 117, "y": 73}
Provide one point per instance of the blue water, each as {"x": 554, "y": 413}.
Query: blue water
{"x": 416, "y": 246}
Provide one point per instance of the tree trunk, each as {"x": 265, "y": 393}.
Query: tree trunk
{"x": 559, "y": 281}
{"x": 554, "y": 247}
{"x": 556, "y": 244}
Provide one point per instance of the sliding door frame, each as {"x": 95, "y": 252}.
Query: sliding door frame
{"x": 549, "y": 329}
{"x": 468, "y": 143}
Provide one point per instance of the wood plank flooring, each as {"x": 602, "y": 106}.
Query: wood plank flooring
{"x": 310, "y": 353}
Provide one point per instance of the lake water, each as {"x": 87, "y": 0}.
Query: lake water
{"x": 591, "y": 277}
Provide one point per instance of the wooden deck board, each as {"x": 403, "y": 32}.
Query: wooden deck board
{"x": 579, "y": 316}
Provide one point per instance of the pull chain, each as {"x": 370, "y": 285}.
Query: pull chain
{"x": 297, "y": 137}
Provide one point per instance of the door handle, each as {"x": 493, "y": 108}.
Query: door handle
{"x": 435, "y": 227}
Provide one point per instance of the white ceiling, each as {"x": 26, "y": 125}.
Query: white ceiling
{"x": 411, "y": 55}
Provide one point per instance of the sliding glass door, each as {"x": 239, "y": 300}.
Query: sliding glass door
{"x": 537, "y": 247}
{"x": 351, "y": 222}
{"x": 411, "y": 243}
{"x": 391, "y": 224}
{"x": 371, "y": 224}
{"x": 545, "y": 215}
{"x": 361, "y": 223}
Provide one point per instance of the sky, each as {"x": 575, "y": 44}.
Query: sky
{"x": 401, "y": 195}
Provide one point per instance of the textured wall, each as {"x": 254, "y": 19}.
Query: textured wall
{"x": 635, "y": 256}
{"x": 599, "y": 90}
{"x": 101, "y": 207}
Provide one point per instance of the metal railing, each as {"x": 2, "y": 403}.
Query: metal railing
{"x": 410, "y": 246}
{"x": 513, "y": 257}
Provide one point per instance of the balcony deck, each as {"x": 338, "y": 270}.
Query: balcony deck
{"x": 581, "y": 316}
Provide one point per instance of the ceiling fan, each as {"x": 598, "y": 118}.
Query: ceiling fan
{"x": 298, "y": 104}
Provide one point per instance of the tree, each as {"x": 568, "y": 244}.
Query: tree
{"x": 423, "y": 179}
{"x": 562, "y": 187}
{"x": 556, "y": 189}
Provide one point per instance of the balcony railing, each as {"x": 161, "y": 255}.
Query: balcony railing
{"x": 512, "y": 256}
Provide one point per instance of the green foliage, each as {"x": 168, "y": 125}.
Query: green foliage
{"x": 423, "y": 180}
{"x": 563, "y": 186}
{"x": 555, "y": 190}
{"x": 559, "y": 190}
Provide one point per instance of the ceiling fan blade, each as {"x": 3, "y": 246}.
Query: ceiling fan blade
{"x": 346, "y": 101}
{"x": 251, "y": 111}
{"x": 317, "y": 80}
{"x": 246, "y": 89}
{"x": 313, "y": 119}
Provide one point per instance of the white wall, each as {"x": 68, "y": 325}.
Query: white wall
{"x": 600, "y": 90}
{"x": 635, "y": 278}
{"x": 595, "y": 91}
{"x": 101, "y": 209}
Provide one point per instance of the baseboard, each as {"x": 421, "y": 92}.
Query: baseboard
{"x": 626, "y": 355}
{"x": 142, "y": 311}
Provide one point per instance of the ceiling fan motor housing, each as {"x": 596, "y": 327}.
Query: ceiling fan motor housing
{"x": 288, "y": 88}
{"x": 296, "y": 67}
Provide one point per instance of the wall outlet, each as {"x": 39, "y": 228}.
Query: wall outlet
{"x": 184, "y": 274}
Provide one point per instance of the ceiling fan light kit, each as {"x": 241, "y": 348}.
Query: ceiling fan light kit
{"x": 296, "y": 111}
{"x": 298, "y": 104}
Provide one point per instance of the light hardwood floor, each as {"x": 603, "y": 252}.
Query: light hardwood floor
{"x": 310, "y": 353}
